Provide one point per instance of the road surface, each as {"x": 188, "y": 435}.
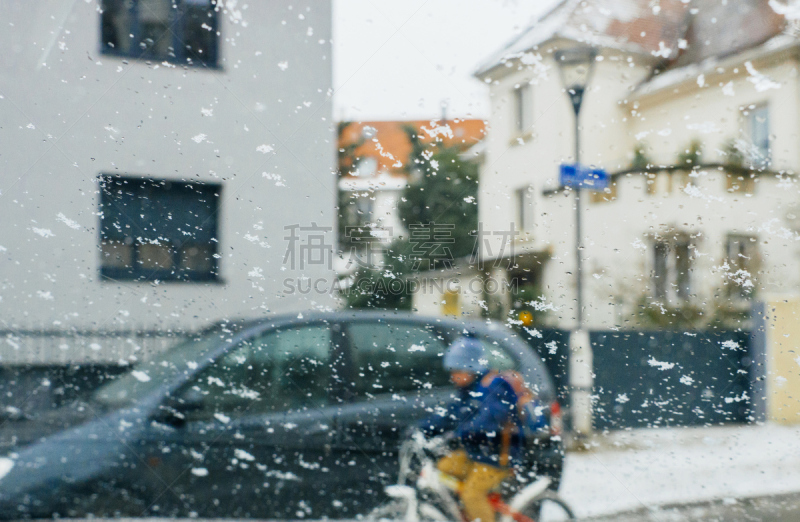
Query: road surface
{"x": 782, "y": 508}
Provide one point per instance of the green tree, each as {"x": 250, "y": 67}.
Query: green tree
{"x": 734, "y": 157}
{"x": 442, "y": 190}
{"x": 640, "y": 158}
{"x": 383, "y": 287}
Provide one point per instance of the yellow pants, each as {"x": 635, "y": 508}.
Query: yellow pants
{"x": 478, "y": 479}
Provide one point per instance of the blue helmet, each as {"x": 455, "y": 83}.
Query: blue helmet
{"x": 465, "y": 354}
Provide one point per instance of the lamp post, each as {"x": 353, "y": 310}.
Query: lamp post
{"x": 576, "y": 65}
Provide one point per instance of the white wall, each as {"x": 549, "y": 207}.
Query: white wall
{"x": 711, "y": 117}
{"x": 618, "y": 256}
{"x": 69, "y": 113}
{"x": 510, "y": 164}
{"x": 384, "y": 191}
{"x": 428, "y": 297}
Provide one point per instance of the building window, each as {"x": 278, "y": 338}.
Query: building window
{"x": 356, "y": 217}
{"x": 156, "y": 229}
{"x": 523, "y": 108}
{"x": 660, "y": 269}
{"x": 364, "y": 207}
{"x": 741, "y": 254}
{"x": 683, "y": 269}
{"x": 525, "y": 216}
{"x": 672, "y": 269}
{"x": 367, "y": 167}
{"x": 181, "y": 31}
{"x": 757, "y": 127}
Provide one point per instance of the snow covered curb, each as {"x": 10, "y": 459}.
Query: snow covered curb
{"x": 636, "y": 469}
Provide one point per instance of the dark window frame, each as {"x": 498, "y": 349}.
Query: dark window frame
{"x": 178, "y": 53}
{"x": 525, "y": 208}
{"x": 684, "y": 266}
{"x": 742, "y": 253}
{"x": 672, "y": 274}
{"x": 523, "y": 108}
{"x": 136, "y": 238}
{"x": 757, "y": 118}
{"x": 661, "y": 255}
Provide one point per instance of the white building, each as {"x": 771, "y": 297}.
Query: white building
{"x": 376, "y": 195}
{"x": 153, "y": 154}
{"x": 688, "y": 241}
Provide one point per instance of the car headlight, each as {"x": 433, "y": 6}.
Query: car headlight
{"x": 5, "y": 466}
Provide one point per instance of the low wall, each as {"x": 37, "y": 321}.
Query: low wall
{"x": 45, "y": 387}
{"x": 43, "y": 369}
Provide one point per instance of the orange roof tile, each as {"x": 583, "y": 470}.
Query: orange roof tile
{"x": 387, "y": 141}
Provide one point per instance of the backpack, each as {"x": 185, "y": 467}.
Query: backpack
{"x": 529, "y": 411}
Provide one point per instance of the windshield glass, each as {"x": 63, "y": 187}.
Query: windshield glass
{"x": 400, "y": 202}
{"x": 147, "y": 376}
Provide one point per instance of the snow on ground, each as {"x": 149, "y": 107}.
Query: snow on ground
{"x": 644, "y": 468}
{"x": 780, "y": 508}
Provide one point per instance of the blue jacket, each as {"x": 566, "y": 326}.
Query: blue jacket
{"x": 477, "y": 416}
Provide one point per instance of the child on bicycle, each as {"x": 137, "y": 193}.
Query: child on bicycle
{"x": 483, "y": 418}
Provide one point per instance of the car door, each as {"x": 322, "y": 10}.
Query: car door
{"x": 254, "y": 435}
{"x": 395, "y": 378}
{"x": 284, "y": 441}
{"x": 186, "y": 445}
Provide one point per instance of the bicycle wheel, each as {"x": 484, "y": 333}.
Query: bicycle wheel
{"x": 397, "y": 510}
{"x": 545, "y": 508}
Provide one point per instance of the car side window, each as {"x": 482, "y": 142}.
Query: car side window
{"x": 220, "y": 390}
{"x": 395, "y": 357}
{"x": 295, "y": 368}
{"x": 280, "y": 370}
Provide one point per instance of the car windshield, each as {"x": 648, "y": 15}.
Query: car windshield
{"x": 398, "y": 203}
{"x": 159, "y": 371}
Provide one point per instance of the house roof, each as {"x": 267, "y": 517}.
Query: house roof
{"x": 630, "y": 25}
{"x": 675, "y": 32}
{"x": 387, "y": 142}
{"x": 719, "y": 29}
{"x": 677, "y": 75}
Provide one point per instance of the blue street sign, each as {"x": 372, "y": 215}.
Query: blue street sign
{"x": 580, "y": 176}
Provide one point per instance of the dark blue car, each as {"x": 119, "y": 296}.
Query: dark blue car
{"x": 284, "y": 417}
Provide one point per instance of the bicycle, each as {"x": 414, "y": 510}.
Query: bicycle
{"x": 425, "y": 494}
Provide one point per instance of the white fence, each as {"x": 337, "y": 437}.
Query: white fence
{"x": 69, "y": 347}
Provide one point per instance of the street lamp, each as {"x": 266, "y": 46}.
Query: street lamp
{"x": 575, "y": 65}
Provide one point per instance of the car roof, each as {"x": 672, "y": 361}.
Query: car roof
{"x": 487, "y": 327}
{"x": 371, "y": 315}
